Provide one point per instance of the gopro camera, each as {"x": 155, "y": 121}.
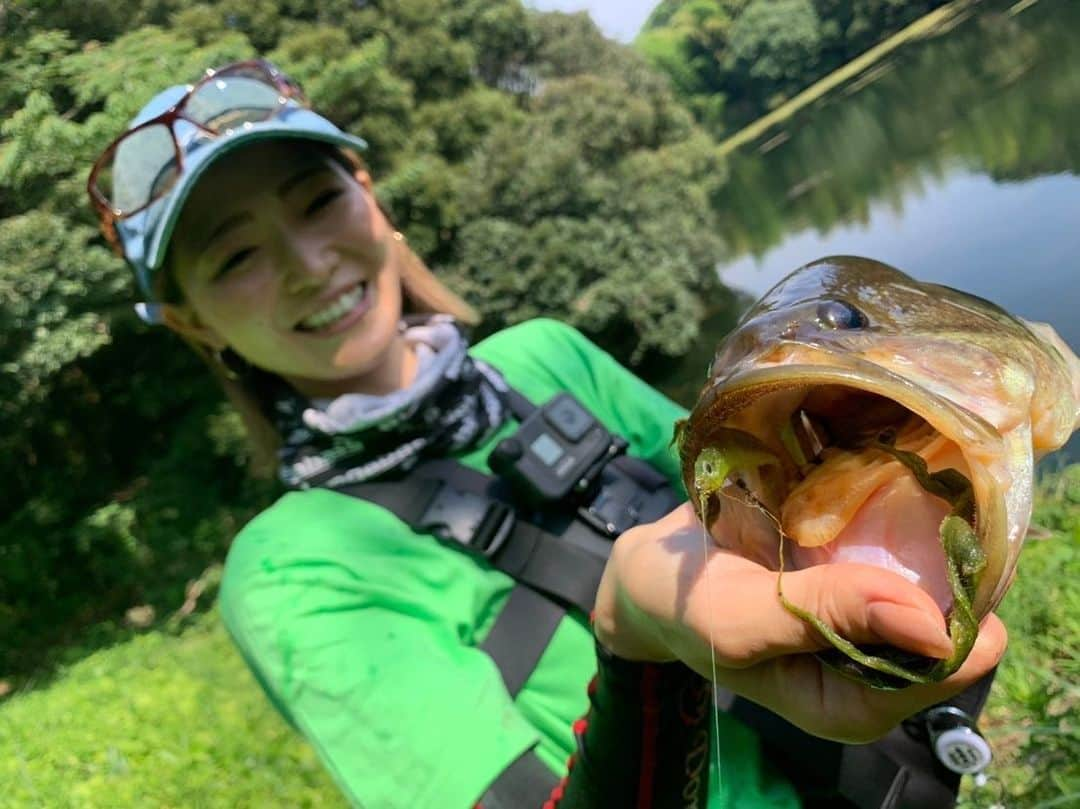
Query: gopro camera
{"x": 557, "y": 454}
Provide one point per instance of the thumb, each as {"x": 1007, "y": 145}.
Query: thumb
{"x": 861, "y": 603}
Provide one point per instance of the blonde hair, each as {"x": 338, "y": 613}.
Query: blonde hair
{"x": 421, "y": 293}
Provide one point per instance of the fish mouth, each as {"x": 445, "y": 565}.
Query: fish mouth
{"x": 838, "y": 491}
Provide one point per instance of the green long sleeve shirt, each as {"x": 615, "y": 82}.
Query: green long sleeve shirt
{"x": 364, "y": 633}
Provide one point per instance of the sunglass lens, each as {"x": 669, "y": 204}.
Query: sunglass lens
{"x": 232, "y": 99}
{"x": 141, "y": 168}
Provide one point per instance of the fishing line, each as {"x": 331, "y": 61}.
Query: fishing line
{"x": 752, "y": 502}
{"x": 712, "y": 646}
{"x": 709, "y": 471}
{"x": 705, "y": 540}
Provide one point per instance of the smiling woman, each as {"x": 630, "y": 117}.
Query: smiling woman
{"x": 220, "y": 289}
{"x": 304, "y": 281}
{"x": 388, "y": 647}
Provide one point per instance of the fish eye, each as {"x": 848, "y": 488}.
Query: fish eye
{"x": 840, "y": 315}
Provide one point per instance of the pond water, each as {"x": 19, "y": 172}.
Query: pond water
{"x": 956, "y": 160}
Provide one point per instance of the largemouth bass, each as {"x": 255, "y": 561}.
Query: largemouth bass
{"x": 855, "y": 414}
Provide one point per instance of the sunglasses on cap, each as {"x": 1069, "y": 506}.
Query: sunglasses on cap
{"x": 145, "y": 162}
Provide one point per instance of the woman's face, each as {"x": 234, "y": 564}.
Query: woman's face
{"x": 283, "y": 256}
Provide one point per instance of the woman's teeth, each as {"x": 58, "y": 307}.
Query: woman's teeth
{"x": 341, "y": 306}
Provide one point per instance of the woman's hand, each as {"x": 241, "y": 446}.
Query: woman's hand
{"x": 662, "y": 598}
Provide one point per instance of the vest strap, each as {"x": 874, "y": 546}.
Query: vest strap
{"x": 526, "y": 782}
{"x": 460, "y": 505}
{"x": 521, "y": 634}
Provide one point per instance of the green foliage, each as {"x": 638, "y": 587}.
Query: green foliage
{"x": 774, "y": 46}
{"x": 733, "y": 60}
{"x": 536, "y": 165}
{"x": 201, "y": 22}
{"x": 93, "y": 19}
{"x": 569, "y": 45}
{"x": 599, "y": 202}
{"x": 43, "y": 148}
{"x": 499, "y": 33}
{"x": 352, "y": 85}
{"x": 53, "y": 284}
{"x": 33, "y": 68}
{"x": 452, "y": 128}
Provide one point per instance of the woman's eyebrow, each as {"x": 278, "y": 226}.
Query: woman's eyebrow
{"x": 227, "y": 224}
{"x": 301, "y": 175}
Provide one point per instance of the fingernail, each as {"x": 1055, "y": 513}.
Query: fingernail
{"x": 909, "y": 628}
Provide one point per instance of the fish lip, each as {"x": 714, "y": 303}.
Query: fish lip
{"x": 971, "y": 431}
{"x": 860, "y": 374}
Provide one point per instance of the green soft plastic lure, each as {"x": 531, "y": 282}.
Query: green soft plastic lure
{"x": 740, "y": 452}
{"x": 882, "y": 667}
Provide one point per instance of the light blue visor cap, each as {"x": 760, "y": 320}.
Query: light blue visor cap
{"x": 145, "y": 236}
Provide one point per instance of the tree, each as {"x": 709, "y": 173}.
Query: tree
{"x": 733, "y": 60}
{"x": 774, "y": 45}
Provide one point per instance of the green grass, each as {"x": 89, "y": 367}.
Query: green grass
{"x": 1033, "y": 716}
{"x": 162, "y": 720}
{"x": 173, "y": 719}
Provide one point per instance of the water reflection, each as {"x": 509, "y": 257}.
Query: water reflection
{"x": 955, "y": 161}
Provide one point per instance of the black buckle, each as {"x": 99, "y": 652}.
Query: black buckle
{"x": 478, "y": 522}
{"x": 617, "y": 505}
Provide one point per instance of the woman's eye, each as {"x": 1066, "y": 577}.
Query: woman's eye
{"x": 234, "y": 261}
{"x": 322, "y": 200}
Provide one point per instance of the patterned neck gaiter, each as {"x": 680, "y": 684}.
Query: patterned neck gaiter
{"x": 454, "y": 403}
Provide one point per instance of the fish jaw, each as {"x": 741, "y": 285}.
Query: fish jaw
{"x": 761, "y": 394}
